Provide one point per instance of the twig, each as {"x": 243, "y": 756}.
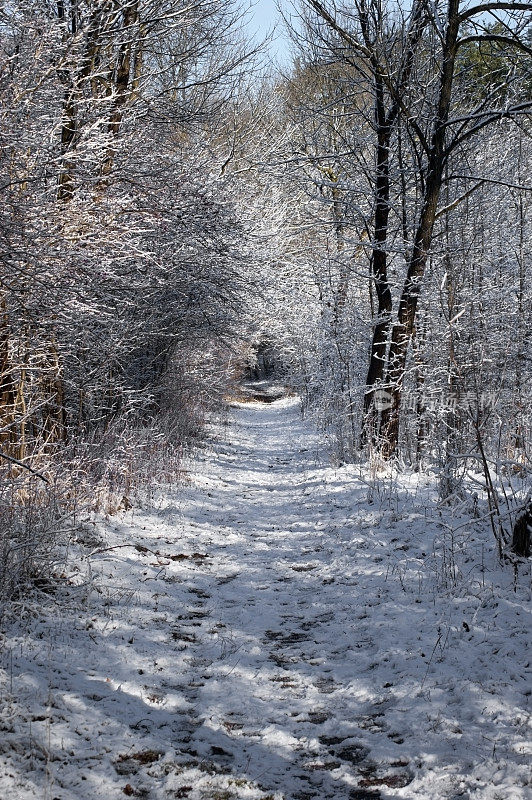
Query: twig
{"x": 25, "y": 466}
{"x": 116, "y": 547}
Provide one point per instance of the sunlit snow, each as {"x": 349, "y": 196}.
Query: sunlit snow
{"x": 276, "y": 628}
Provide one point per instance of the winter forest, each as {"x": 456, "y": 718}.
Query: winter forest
{"x": 265, "y": 407}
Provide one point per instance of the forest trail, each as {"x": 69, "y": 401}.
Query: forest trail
{"x": 270, "y": 630}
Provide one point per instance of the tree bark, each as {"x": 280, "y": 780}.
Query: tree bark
{"x": 122, "y": 79}
{"x": 403, "y": 330}
{"x": 379, "y": 273}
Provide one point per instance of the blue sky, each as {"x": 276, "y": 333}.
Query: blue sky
{"x": 263, "y": 17}
{"x": 265, "y": 14}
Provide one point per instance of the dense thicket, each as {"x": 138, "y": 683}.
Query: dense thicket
{"x": 126, "y": 260}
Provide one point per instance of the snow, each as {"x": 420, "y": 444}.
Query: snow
{"x": 276, "y": 628}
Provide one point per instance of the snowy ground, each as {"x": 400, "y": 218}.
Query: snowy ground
{"x": 276, "y": 629}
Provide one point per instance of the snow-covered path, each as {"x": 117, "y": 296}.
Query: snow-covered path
{"x": 272, "y": 630}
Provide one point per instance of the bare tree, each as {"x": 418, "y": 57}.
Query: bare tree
{"x": 410, "y": 63}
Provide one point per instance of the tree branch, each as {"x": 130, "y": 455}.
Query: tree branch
{"x": 485, "y": 8}
{"x": 490, "y": 180}
{"x": 487, "y": 119}
{"x": 25, "y": 466}
{"x": 494, "y": 37}
{"x": 459, "y": 200}
{"x": 337, "y": 28}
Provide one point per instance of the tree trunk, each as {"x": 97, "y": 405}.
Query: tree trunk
{"x": 404, "y": 328}
{"x": 73, "y": 96}
{"x": 7, "y": 383}
{"x": 380, "y": 279}
{"x": 121, "y": 83}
